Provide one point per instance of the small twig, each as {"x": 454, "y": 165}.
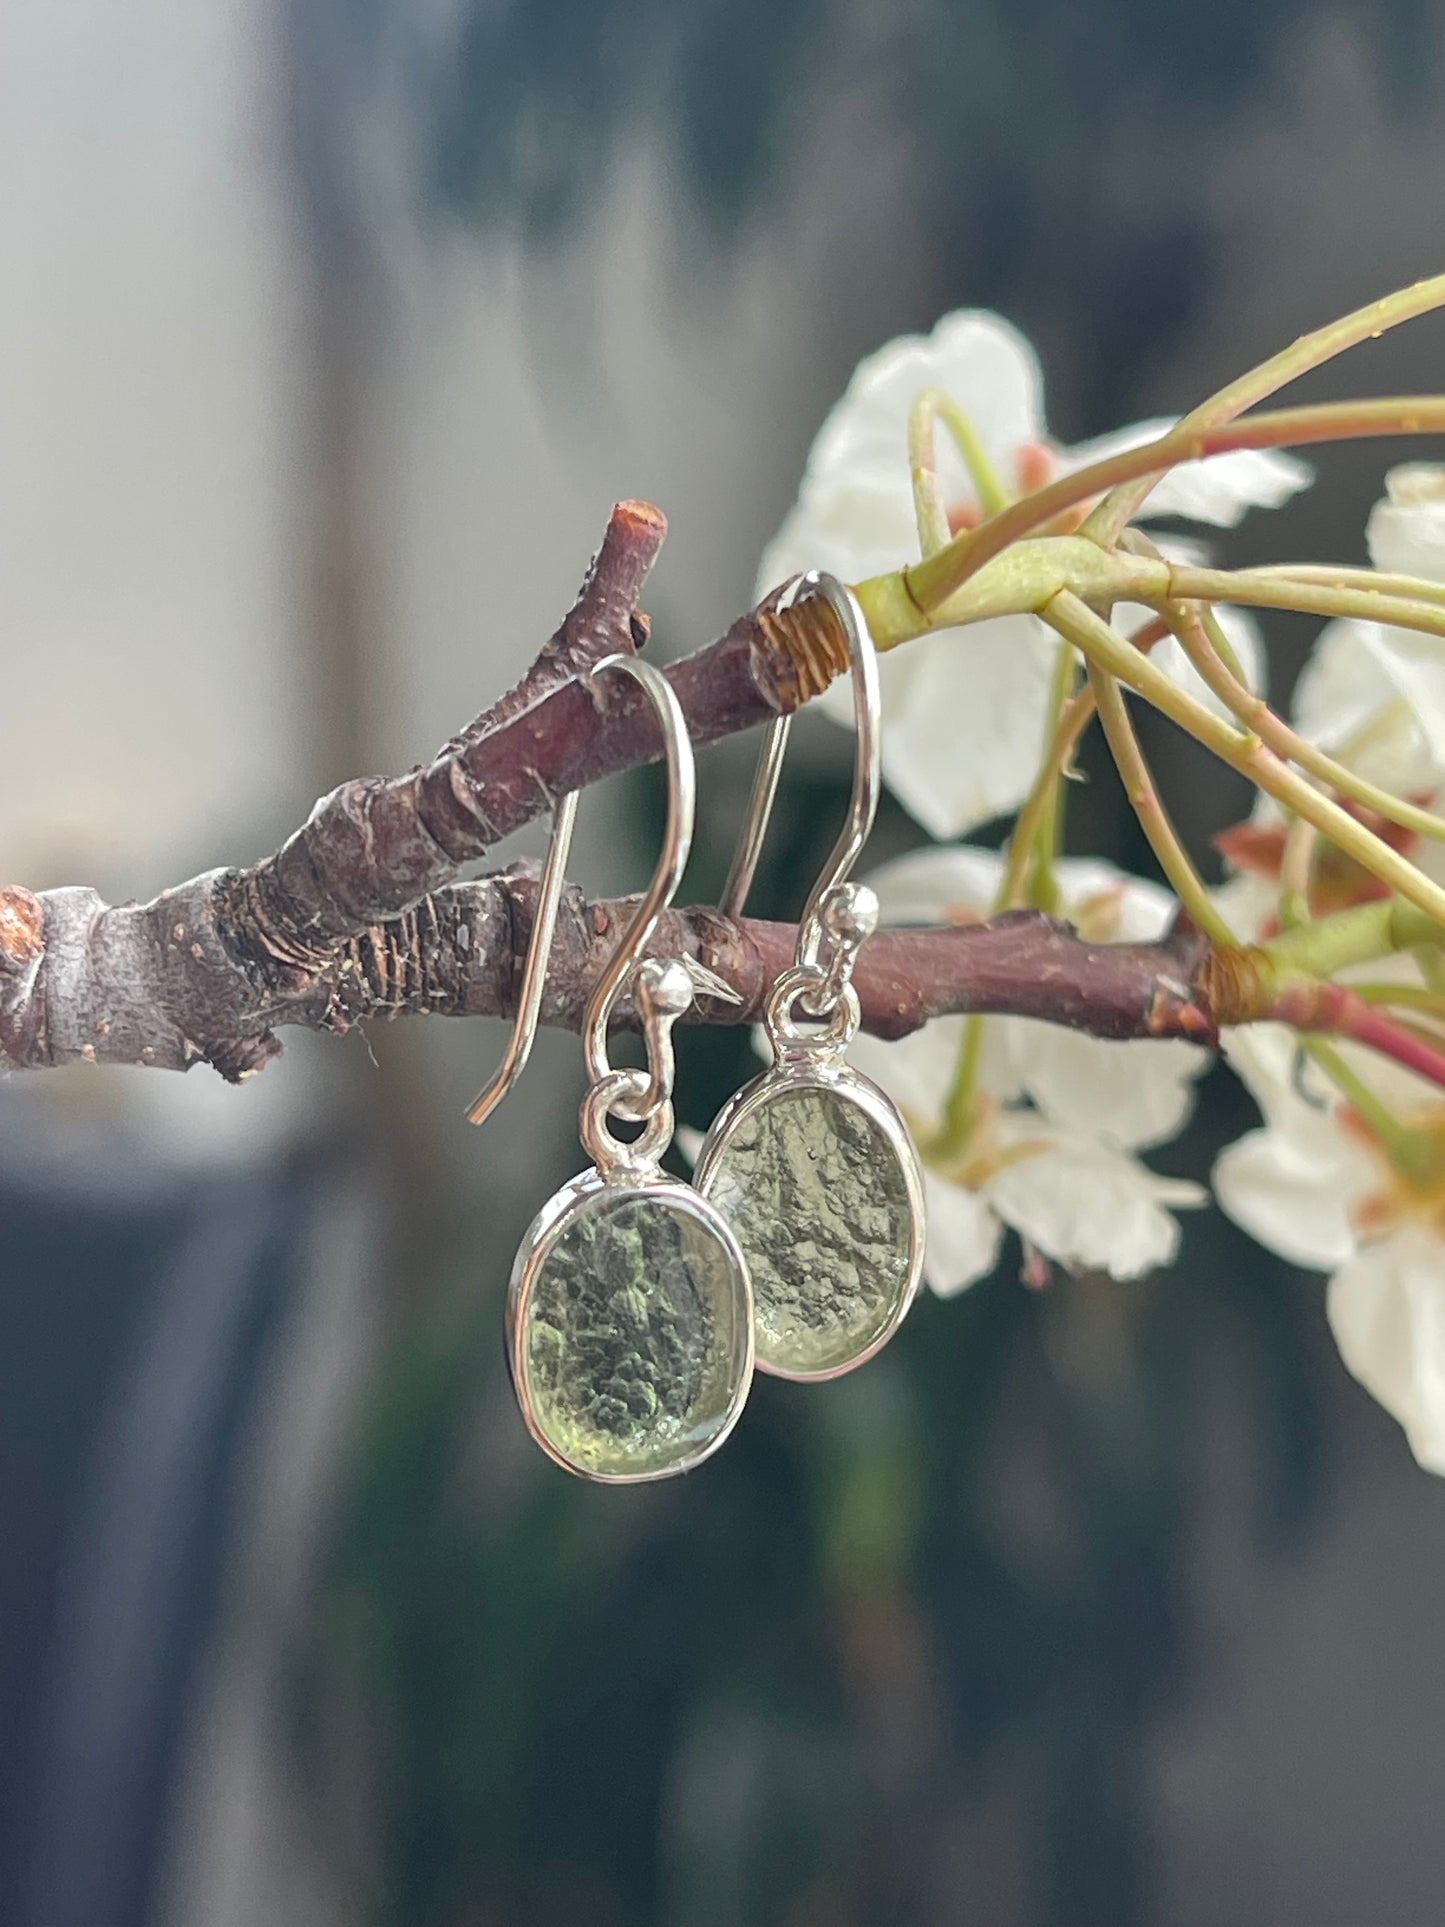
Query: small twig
{"x": 604, "y": 619}
{"x": 1148, "y": 805}
{"x": 932, "y": 581}
{"x": 1242, "y": 751}
{"x": 1336, "y": 1010}
{"x": 377, "y": 845}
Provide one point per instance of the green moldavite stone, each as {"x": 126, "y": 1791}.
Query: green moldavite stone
{"x": 818, "y": 1200}
{"x": 636, "y": 1336}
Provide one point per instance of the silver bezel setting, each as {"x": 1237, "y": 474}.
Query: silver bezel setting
{"x": 838, "y": 1078}
{"x": 575, "y": 1200}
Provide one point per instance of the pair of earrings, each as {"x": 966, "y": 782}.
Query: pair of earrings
{"x": 638, "y": 1305}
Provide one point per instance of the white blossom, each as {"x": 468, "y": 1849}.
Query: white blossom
{"x": 964, "y": 710}
{"x": 1374, "y": 697}
{"x": 1373, "y": 694}
{"x": 1058, "y": 1117}
{"x": 1315, "y": 1184}
{"x": 1406, "y": 536}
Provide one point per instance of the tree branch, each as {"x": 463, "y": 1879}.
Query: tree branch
{"x": 358, "y": 915}
{"x": 153, "y": 983}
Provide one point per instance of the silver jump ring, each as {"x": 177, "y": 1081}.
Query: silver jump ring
{"x": 607, "y": 1098}
{"x": 835, "y": 1027}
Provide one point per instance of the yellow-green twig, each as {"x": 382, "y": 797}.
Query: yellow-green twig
{"x": 1259, "y": 589}
{"x": 1309, "y": 351}
{"x": 934, "y": 579}
{"x": 1243, "y": 751}
{"x": 1331, "y": 575}
{"x": 1139, "y": 787}
{"x": 1192, "y": 625}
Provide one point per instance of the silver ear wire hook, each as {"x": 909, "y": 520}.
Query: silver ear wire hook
{"x": 534, "y": 970}
{"x": 867, "y": 769}
{"x": 677, "y": 842}
{"x": 676, "y": 845}
{"x": 755, "y": 827}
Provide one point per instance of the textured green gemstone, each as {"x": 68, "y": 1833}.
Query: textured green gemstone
{"x": 636, "y": 1336}
{"x": 818, "y": 1200}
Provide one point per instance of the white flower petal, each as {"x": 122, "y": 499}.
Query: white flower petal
{"x": 1292, "y": 1192}
{"x": 1415, "y": 664}
{"x": 1096, "y": 893}
{"x": 1265, "y": 1058}
{"x": 917, "y": 1070}
{"x": 854, "y": 514}
{"x": 1219, "y": 490}
{"x": 963, "y": 712}
{"x": 1406, "y": 531}
{"x": 1294, "y": 1094}
{"x": 1134, "y": 1094}
{"x": 1349, "y": 700}
{"x": 1249, "y": 905}
{"x": 1085, "y": 1204}
{"x": 1387, "y": 1310}
{"x": 1342, "y": 686}
{"x": 948, "y": 884}
{"x": 963, "y": 720}
{"x": 855, "y": 526}
{"x": 1296, "y": 1184}
{"x": 963, "y": 1236}
{"x": 978, "y": 358}
{"x": 938, "y": 884}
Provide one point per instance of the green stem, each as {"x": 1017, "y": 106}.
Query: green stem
{"x": 1028, "y": 824}
{"x": 1049, "y": 836}
{"x": 1399, "y": 1140}
{"x": 929, "y": 508}
{"x": 1411, "y": 588}
{"x": 930, "y": 512}
{"x": 1296, "y": 873}
{"x": 1193, "y": 628}
{"x": 1256, "y": 588}
{"x": 992, "y": 494}
{"x": 1139, "y": 786}
{"x": 1326, "y": 945}
{"x": 961, "y": 1105}
{"x": 1409, "y": 996}
{"x": 932, "y": 581}
{"x": 1017, "y": 583}
{"x": 1309, "y": 351}
{"x": 1243, "y": 752}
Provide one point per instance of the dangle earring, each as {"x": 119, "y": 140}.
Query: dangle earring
{"x": 629, "y": 1317}
{"x": 811, "y": 1164}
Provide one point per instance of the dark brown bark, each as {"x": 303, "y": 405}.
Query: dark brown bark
{"x": 358, "y": 916}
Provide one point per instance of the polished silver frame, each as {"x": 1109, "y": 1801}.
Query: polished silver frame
{"x": 572, "y": 1202}
{"x": 837, "y": 1076}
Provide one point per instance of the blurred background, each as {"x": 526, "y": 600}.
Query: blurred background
{"x": 329, "y": 331}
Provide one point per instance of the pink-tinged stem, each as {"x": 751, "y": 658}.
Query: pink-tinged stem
{"x": 933, "y": 580}
{"x": 1335, "y": 1009}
